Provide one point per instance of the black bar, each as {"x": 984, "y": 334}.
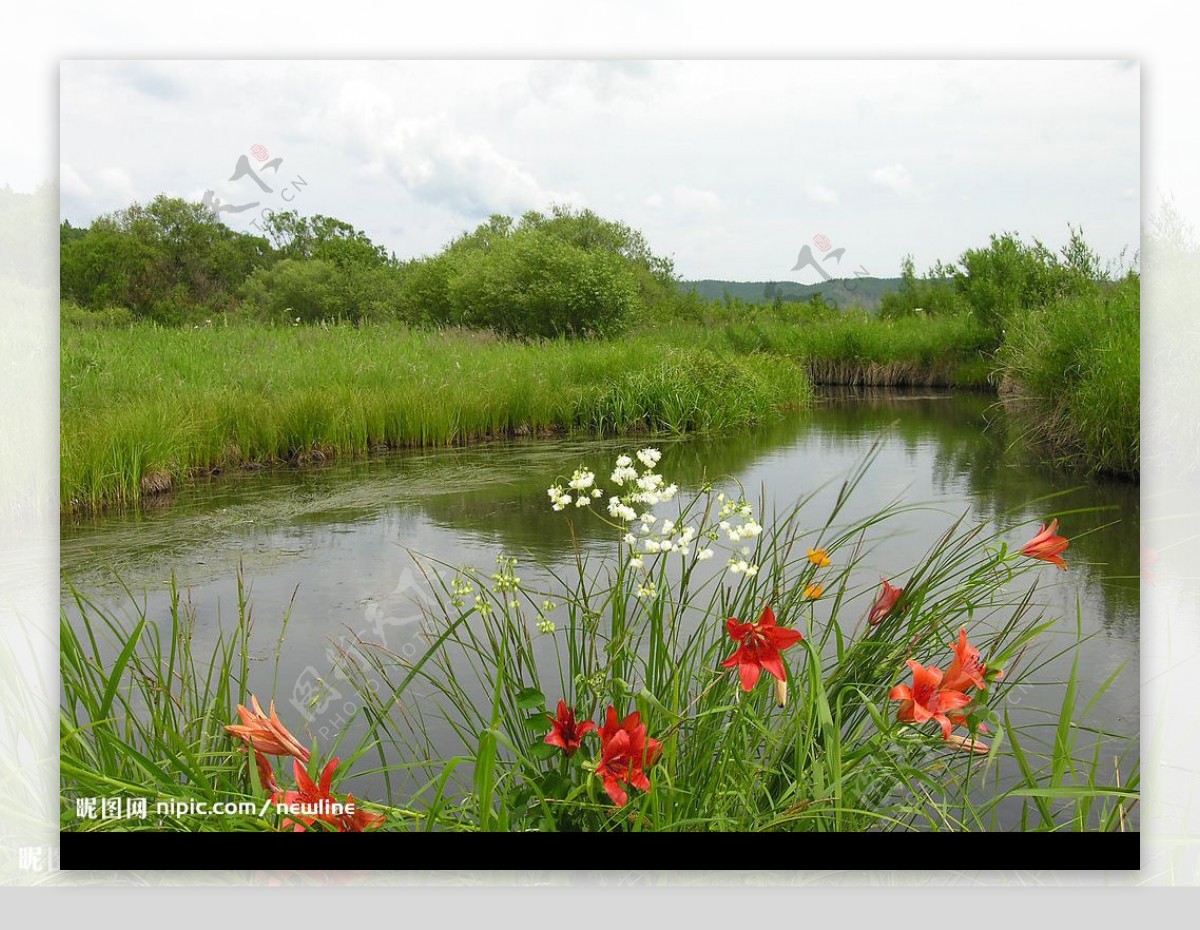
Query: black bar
{"x": 145, "y": 850}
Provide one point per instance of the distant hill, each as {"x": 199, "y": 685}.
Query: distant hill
{"x": 866, "y": 293}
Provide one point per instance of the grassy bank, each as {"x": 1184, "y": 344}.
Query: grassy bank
{"x": 144, "y": 406}
{"x": 811, "y": 734}
{"x": 851, "y": 348}
{"x": 1072, "y": 377}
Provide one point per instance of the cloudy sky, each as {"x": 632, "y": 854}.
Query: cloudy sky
{"x": 730, "y": 167}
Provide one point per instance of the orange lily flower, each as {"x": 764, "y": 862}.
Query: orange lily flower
{"x": 926, "y": 699}
{"x": 814, "y": 591}
{"x": 965, "y": 670}
{"x": 266, "y": 734}
{"x": 884, "y": 603}
{"x": 1047, "y": 545}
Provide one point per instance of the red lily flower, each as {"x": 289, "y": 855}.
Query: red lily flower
{"x": 565, "y": 732}
{"x": 319, "y": 796}
{"x": 266, "y": 734}
{"x": 884, "y": 602}
{"x": 359, "y": 821}
{"x": 1047, "y": 545}
{"x": 926, "y": 699}
{"x": 965, "y": 670}
{"x": 761, "y": 645}
{"x": 625, "y": 751}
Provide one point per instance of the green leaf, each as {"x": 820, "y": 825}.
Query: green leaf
{"x": 531, "y": 699}
{"x": 543, "y": 751}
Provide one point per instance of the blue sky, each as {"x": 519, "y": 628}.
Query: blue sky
{"x": 728, "y": 166}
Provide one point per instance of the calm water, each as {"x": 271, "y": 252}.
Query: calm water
{"x": 339, "y": 538}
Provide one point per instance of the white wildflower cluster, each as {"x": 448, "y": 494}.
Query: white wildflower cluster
{"x": 738, "y": 509}
{"x": 582, "y": 483}
{"x": 645, "y": 534}
{"x": 647, "y": 590}
{"x": 742, "y": 567}
{"x": 646, "y": 488}
{"x": 545, "y": 625}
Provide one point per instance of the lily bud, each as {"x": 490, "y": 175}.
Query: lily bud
{"x": 963, "y": 744}
{"x": 781, "y": 691}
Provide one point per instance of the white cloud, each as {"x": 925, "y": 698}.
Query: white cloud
{"x": 72, "y": 183}
{"x": 895, "y": 178}
{"x": 694, "y": 199}
{"x": 654, "y": 200}
{"x": 819, "y": 193}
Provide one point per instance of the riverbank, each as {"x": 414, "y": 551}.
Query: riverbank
{"x": 145, "y": 407}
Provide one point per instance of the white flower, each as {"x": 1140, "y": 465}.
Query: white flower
{"x": 653, "y": 545}
{"x": 630, "y": 539}
{"x": 746, "y": 511}
{"x": 735, "y": 533}
{"x": 724, "y": 524}
{"x": 745, "y": 550}
{"x": 597, "y": 493}
{"x": 650, "y": 481}
{"x": 582, "y": 500}
{"x": 669, "y": 491}
{"x": 736, "y": 566}
{"x": 721, "y": 497}
{"x": 689, "y": 533}
{"x": 624, "y": 461}
{"x": 751, "y": 571}
{"x": 683, "y": 549}
{"x": 647, "y": 590}
{"x": 636, "y": 562}
{"x": 668, "y": 526}
{"x": 623, "y": 473}
{"x": 620, "y": 510}
{"x": 582, "y": 479}
{"x": 649, "y": 457}
{"x": 704, "y": 555}
{"x": 648, "y": 518}
{"x": 751, "y": 527}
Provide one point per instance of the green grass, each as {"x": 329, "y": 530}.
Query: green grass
{"x": 143, "y": 406}
{"x": 1072, "y": 374}
{"x": 143, "y": 716}
{"x": 851, "y": 348}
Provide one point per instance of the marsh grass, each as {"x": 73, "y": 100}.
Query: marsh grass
{"x": 457, "y": 732}
{"x": 1072, "y": 377}
{"x": 144, "y": 407}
